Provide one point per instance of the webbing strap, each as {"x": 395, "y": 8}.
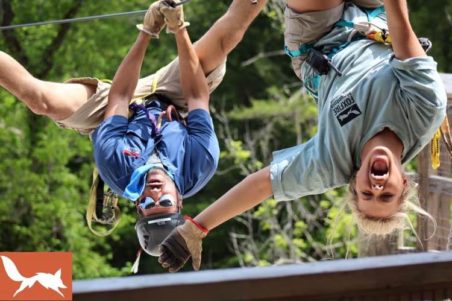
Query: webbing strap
{"x": 345, "y": 23}
{"x": 109, "y": 200}
{"x": 371, "y": 14}
{"x": 304, "y": 48}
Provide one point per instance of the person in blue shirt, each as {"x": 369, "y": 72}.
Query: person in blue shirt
{"x": 378, "y": 107}
{"x": 154, "y": 158}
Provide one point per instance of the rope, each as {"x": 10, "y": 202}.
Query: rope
{"x": 73, "y": 20}
{"x": 81, "y": 19}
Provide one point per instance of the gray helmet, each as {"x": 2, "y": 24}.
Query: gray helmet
{"x": 152, "y": 230}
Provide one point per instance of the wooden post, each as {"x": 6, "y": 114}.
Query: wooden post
{"x": 435, "y": 192}
{"x": 422, "y": 223}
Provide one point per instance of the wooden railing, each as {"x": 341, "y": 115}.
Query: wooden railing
{"x": 415, "y": 277}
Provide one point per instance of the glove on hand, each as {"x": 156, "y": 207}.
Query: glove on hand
{"x": 153, "y": 21}
{"x": 181, "y": 243}
{"x": 174, "y": 15}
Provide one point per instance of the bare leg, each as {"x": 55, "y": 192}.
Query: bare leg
{"x": 55, "y": 100}
{"x": 213, "y": 48}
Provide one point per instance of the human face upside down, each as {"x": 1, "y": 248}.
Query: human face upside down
{"x": 380, "y": 181}
{"x": 160, "y": 195}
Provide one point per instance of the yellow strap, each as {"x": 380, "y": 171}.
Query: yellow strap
{"x": 380, "y": 37}
{"x": 139, "y": 98}
{"x": 435, "y": 150}
{"x": 91, "y": 209}
{"x": 445, "y": 134}
{"x": 108, "y": 81}
{"x": 155, "y": 81}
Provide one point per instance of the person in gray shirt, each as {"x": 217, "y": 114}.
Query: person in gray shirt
{"x": 378, "y": 107}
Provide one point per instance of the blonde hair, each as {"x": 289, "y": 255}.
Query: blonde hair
{"x": 409, "y": 200}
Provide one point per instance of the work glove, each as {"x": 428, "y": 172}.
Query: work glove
{"x": 184, "y": 241}
{"x": 153, "y": 21}
{"x": 174, "y": 16}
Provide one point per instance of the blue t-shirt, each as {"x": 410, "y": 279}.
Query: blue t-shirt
{"x": 190, "y": 152}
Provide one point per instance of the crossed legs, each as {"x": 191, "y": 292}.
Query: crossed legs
{"x": 58, "y": 101}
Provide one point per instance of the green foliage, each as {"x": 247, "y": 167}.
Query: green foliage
{"x": 45, "y": 171}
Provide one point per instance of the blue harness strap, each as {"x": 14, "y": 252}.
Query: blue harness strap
{"x": 305, "y": 48}
{"x": 373, "y": 13}
{"x": 312, "y": 83}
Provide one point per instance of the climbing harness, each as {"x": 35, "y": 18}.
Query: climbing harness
{"x": 321, "y": 62}
{"x": 103, "y": 206}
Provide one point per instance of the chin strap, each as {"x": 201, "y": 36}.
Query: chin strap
{"x": 136, "y": 264}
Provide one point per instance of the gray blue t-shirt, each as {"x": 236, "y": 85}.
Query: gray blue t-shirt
{"x": 377, "y": 91}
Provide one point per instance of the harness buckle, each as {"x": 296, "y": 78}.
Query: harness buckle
{"x": 321, "y": 63}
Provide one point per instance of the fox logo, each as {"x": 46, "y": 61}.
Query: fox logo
{"x": 47, "y": 280}
{"x": 345, "y": 109}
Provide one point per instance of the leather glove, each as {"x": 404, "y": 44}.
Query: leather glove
{"x": 184, "y": 241}
{"x": 153, "y": 21}
{"x": 174, "y": 15}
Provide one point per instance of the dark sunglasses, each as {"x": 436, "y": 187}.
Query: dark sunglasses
{"x": 165, "y": 201}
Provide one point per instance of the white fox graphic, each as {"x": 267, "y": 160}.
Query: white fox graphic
{"x": 52, "y": 281}
{"x": 345, "y": 115}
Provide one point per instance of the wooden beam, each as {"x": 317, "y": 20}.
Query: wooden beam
{"x": 382, "y": 277}
{"x": 440, "y": 185}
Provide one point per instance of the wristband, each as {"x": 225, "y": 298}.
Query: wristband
{"x": 198, "y": 225}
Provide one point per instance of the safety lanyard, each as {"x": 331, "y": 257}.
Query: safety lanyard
{"x": 155, "y": 123}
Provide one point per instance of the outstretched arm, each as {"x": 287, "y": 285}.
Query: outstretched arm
{"x": 128, "y": 73}
{"x": 186, "y": 240}
{"x": 404, "y": 41}
{"x": 250, "y": 192}
{"x": 192, "y": 78}
{"x": 126, "y": 78}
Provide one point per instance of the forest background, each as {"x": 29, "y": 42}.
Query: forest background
{"x": 45, "y": 171}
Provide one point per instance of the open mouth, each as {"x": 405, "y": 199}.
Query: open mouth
{"x": 379, "y": 168}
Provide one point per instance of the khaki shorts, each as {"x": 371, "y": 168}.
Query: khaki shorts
{"x": 304, "y": 28}
{"x": 165, "y": 82}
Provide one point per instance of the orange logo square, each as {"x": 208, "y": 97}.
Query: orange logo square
{"x": 35, "y": 276}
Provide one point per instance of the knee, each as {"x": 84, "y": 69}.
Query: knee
{"x": 35, "y": 100}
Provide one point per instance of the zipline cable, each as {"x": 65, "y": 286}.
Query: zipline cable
{"x": 80, "y": 19}
{"x": 73, "y": 20}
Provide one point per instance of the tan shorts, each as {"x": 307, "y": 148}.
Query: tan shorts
{"x": 165, "y": 82}
{"x": 304, "y": 28}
